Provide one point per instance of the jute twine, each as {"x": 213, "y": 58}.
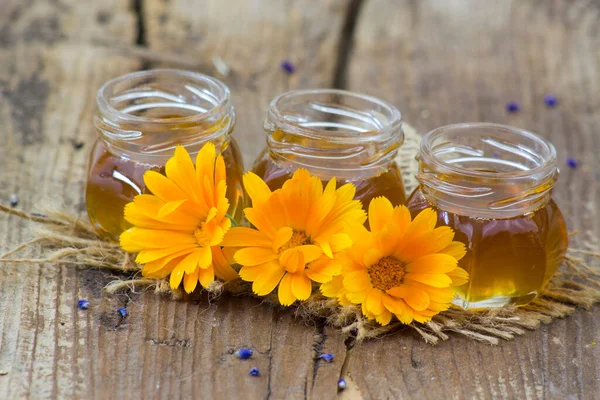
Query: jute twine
{"x": 70, "y": 239}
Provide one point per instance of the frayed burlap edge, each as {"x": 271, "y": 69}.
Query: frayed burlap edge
{"x": 70, "y": 240}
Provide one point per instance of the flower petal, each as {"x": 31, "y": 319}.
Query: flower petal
{"x": 149, "y": 255}
{"x": 254, "y": 256}
{"x": 293, "y": 260}
{"x": 190, "y": 262}
{"x": 268, "y": 280}
{"x": 435, "y": 280}
{"x": 205, "y": 163}
{"x": 357, "y": 281}
{"x": 162, "y": 187}
{"x": 455, "y": 249}
{"x": 257, "y": 189}
{"x": 323, "y": 269}
{"x": 284, "y": 293}
{"x": 301, "y": 286}
{"x": 136, "y": 239}
{"x": 206, "y": 276}
{"x": 170, "y": 207}
{"x": 432, "y": 264}
{"x": 261, "y": 221}
{"x": 384, "y": 318}
{"x": 205, "y": 258}
{"x": 416, "y": 298}
{"x": 356, "y": 297}
{"x": 180, "y": 169}
{"x": 190, "y": 281}
{"x": 176, "y": 277}
{"x": 244, "y": 237}
{"x": 282, "y": 236}
{"x": 374, "y": 301}
{"x": 221, "y": 266}
{"x": 380, "y": 213}
{"x": 332, "y": 288}
{"x": 459, "y": 276}
{"x": 339, "y": 242}
{"x": 372, "y": 256}
{"x": 399, "y": 308}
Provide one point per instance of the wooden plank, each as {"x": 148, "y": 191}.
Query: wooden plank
{"x": 48, "y": 105}
{"x": 253, "y": 38}
{"x": 445, "y": 62}
{"x": 48, "y": 22}
{"x": 48, "y": 347}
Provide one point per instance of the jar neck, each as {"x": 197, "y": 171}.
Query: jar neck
{"x": 333, "y": 133}
{"x": 143, "y": 116}
{"x": 486, "y": 170}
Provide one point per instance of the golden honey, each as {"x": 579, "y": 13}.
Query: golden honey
{"x": 388, "y": 183}
{"x": 334, "y": 133}
{"x": 508, "y": 260}
{"x": 141, "y": 119}
{"x": 114, "y": 181}
{"x": 492, "y": 185}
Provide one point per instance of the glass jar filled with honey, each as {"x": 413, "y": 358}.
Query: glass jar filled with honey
{"x": 141, "y": 118}
{"x": 492, "y": 184}
{"x": 334, "y": 133}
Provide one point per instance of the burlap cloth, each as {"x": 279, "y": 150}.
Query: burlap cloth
{"x": 69, "y": 239}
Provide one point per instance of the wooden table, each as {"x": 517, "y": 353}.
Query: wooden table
{"x": 439, "y": 61}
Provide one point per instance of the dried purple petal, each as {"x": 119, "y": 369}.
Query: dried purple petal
{"x": 83, "y": 304}
{"x": 571, "y": 162}
{"x": 244, "y": 353}
{"x": 254, "y": 372}
{"x": 513, "y": 107}
{"x": 327, "y": 357}
{"x": 551, "y": 100}
{"x": 122, "y": 312}
{"x": 288, "y": 67}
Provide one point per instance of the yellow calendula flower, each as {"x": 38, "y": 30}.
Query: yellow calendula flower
{"x": 300, "y": 229}
{"x": 178, "y": 229}
{"x": 403, "y": 267}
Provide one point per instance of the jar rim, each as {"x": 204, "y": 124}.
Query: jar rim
{"x": 221, "y": 92}
{"x": 548, "y": 159}
{"x": 391, "y": 127}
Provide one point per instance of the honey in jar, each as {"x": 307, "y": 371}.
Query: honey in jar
{"x": 141, "y": 118}
{"x": 334, "y": 133}
{"x": 492, "y": 184}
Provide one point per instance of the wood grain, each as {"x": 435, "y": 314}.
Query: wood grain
{"x": 438, "y": 61}
{"x": 445, "y": 62}
{"x": 253, "y": 38}
{"x": 164, "y": 348}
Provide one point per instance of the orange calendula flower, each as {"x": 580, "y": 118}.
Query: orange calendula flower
{"x": 403, "y": 267}
{"x": 300, "y": 229}
{"x": 178, "y": 229}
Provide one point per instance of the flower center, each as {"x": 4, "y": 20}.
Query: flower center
{"x": 202, "y": 237}
{"x": 297, "y": 239}
{"x": 386, "y": 273}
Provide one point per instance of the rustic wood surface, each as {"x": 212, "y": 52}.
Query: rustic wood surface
{"x": 439, "y": 61}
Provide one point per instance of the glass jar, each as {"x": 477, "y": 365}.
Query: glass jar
{"x": 334, "y": 133}
{"x": 492, "y": 184}
{"x": 141, "y": 118}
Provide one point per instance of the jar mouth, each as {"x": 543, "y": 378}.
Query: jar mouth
{"x": 333, "y": 132}
{"x": 190, "y": 97}
{"x": 487, "y": 150}
{"x": 334, "y": 115}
